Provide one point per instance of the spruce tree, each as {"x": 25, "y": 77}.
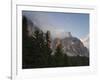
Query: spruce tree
{"x": 59, "y": 56}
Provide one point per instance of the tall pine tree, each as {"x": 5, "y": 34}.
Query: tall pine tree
{"x": 59, "y": 56}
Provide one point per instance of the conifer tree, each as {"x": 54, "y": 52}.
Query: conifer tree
{"x": 59, "y": 56}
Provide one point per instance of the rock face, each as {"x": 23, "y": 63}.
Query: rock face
{"x": 71, "y": 46}
{"x": 85, "y": 41}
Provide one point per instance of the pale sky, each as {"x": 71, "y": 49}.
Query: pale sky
{"x": 59, "y": 23}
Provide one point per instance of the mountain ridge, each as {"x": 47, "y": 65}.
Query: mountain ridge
{"x": 72, "y": 46}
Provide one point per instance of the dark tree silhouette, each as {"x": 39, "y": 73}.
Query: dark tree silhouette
{"x": 25, "y": 43}
{"x": 59, "y": 56}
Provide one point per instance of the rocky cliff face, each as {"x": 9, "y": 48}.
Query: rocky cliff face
{"x": 85, "y": 41}
{"x": 71, "y": 46}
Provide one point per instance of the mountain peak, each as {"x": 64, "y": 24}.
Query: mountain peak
{"x": 71, "y": 46}
{"x": 68, "y": 34}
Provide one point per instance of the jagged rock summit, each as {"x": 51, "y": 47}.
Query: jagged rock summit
{"x": 71, "y": 46}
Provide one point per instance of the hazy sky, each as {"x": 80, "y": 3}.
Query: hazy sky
{"x": 60, "y": 23}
